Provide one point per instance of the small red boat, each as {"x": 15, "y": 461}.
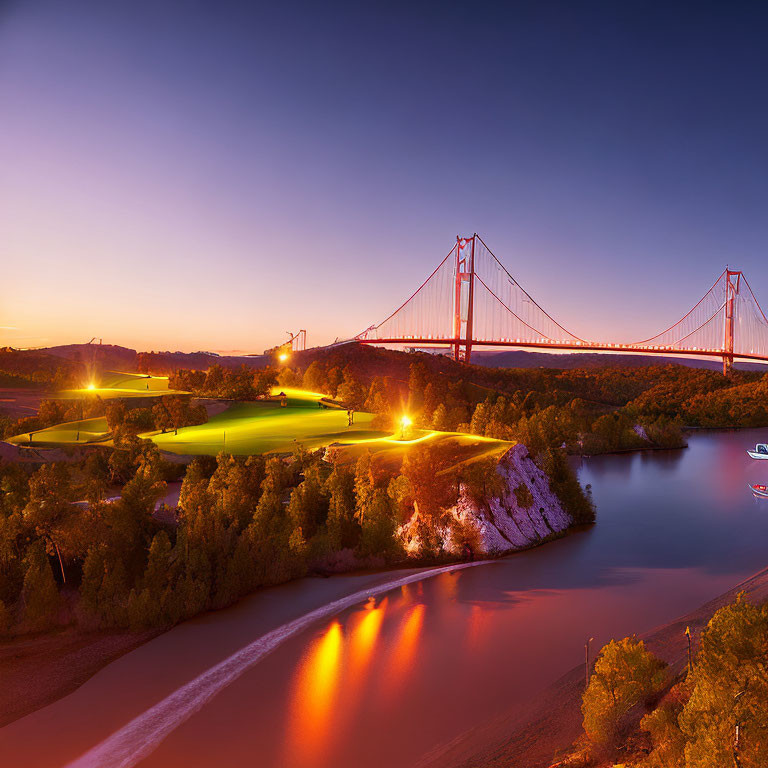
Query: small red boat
{"x": 760, "y": 490}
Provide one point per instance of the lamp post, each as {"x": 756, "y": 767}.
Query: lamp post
{"x": 586, "y": 660}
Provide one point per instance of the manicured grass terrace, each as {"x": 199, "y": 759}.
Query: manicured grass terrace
{"x": 266, "y": 426}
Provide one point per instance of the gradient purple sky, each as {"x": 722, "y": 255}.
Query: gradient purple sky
{"x": 200, "y": 175}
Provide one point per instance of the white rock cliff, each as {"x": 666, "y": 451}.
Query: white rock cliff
{"x": 502, "y": 524}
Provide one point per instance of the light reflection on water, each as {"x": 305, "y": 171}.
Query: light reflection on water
{"x": 675, "y": 528}
{"x": 402, "y": 652}
{"x": 313, "y": 704}
{"x": 386, "y": 682}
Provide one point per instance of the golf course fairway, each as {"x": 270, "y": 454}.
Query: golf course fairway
{"x": 267, "y": 426}
{"x": 68, "y": 433}
{"x": 306, "y": 419}
{"x": 112, "y": 384}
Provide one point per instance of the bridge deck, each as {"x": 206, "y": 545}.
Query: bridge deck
{"x": 574, "y": 347}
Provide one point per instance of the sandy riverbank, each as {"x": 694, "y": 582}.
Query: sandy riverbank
{"x": 36, "y": 671}
{"x": 533, "y": 736}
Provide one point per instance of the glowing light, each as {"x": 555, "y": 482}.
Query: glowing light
{"x": 282, "y": 357}
{"x": 365, "y": 634}
{"x": 405, "y": 423}
{"x": 314, "y": 695}
{"x": 91, "y": 386}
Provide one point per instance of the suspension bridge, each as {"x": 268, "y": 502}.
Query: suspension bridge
{"x": 471, "y": 300}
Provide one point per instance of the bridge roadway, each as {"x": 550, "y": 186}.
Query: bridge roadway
{"x": 573, "y": 346}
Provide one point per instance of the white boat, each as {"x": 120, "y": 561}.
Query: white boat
{"x": 759, "y": 490}
{"x": 760, "y": 451}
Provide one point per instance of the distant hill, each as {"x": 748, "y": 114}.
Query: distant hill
{"x": 115, "y": 358}
{"x": 375, "y": 360}
{"x": 518, "y": 358}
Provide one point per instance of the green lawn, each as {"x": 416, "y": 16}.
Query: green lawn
{"x": 266, "y": 426}
{"x": 113, "y": 384}
{"x": 389, "y": 451}
{"x": 68, "y": 433}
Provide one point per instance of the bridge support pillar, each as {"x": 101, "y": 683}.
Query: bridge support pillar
{"x": 463, "y": 298}
{"x": 732, "y": 285}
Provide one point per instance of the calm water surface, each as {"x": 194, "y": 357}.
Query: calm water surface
{"x": 384, "y": 683}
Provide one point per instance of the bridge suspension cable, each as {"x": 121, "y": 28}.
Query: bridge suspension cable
{"x": 471, "y": 299}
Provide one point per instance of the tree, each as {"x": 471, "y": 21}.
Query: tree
{"x": 49, "y": 511}
{"x": 343, "y": 528}
{"x": 730, "y": 688}
{"x": 52, "y": 412}
{"x": 333, "y": 380}
{"x": 377, "y": 525}
{"x": 151, "y": 605}
{"x": 270, "y": 531}
{"x": 288, "y": 377}
{"x": 377, "y": 400}
{"x": 40, "y": 596}
{"x": 626, "y": 675}
{"x": 96, "y": 472}
{"x": 158, "y": 572}
{"x": 315, "y": 377}
{"x": 351, "y": 392}
{"x": 130, "y": 520}
{"x": 373, "y": 510}
{"x": 113, "y": 594}
{"x": 264, "y": 380}
{"x": 479, "y": 418}
{"x": 308, "y": 507}
{"x": 214, "y": 380}
{"x": 662, "y": 725}
{"x": 139, "y": 420}
{"x": 364, "y": 485}
{"x": 169, "y": 413}
{"x": 482, "y": 481}
{"x": 187, "y": 381}
{"x": 90, "y": 584}
{"x": 238, "y": 384}
{"x": 115, "y": 414}
{"x": 565, "y": 485}
{"x": 433, "y": 488}
{"x": 440, "y": 418}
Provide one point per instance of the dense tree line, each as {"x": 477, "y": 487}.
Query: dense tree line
{"x": 20, "y": 368}
{"x": 588, "y": 411}
{"x": 168, "y": 412}
{"x": 242, "y": 383}
{"x": 51, "y": 412}
{"x": 53, "y": 515}
{"x": 242, "y": 523}
{"x": 712, "y": 716}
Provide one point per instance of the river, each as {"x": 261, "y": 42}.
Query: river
{"x": 393, "y": 677}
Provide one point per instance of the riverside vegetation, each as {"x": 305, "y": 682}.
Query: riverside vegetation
{"x": 245, "y": 522}
{"x": 639, "y": 714}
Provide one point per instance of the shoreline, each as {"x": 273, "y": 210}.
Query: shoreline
{"x": 539, "y": 734}
{"x": 38, "y": 670}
